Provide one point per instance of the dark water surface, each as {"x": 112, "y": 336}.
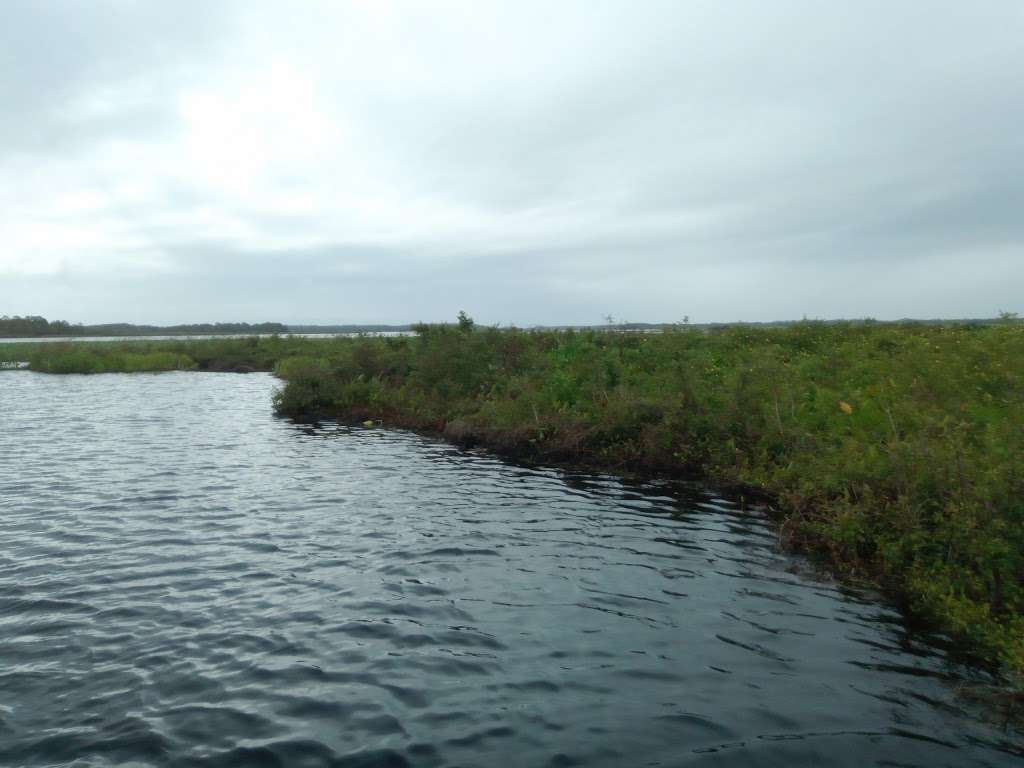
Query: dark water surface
{"x": 186, "y": 580}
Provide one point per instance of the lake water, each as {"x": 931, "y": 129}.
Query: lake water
{"x": 201, "y": 337}
{"x": 187, "y": 580}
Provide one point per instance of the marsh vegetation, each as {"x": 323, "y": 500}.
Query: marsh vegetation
{"x": 893, "y": 450}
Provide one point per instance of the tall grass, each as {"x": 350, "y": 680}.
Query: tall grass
{"x": 90, "y": 361}
{"x": 240, "y": 354}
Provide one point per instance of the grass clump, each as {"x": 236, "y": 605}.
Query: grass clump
{"x": 72, "y": 359}
{"x": 236, "y": 354}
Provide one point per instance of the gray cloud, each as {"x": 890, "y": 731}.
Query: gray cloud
{"x": 527, "y": 162}
{"x": 75, "y": 72}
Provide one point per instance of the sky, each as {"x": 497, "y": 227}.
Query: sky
{"x": 528, "y": 162}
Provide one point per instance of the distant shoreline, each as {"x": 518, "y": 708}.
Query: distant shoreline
{"x": 185, "y": 337}
{"x": 63, "y": 331}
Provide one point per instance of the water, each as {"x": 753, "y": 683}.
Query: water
{"x": 196, "y": 337}
{"x": 186, "y": 580}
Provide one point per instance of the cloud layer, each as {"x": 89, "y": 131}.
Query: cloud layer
{"x": 529, "y": 162}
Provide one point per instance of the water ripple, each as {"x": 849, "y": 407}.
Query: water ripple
{"x": 187, "y": 581}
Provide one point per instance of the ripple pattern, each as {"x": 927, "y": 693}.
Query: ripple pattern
{"x": 186, "y": 580}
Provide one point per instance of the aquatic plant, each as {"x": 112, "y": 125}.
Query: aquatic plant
{"x": 71, "y": 358}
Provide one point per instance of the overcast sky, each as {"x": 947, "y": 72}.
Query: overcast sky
{"x": 549, "y": 162}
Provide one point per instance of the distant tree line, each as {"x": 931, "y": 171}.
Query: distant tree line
{"x": 194, "y": 329}
{"x": 349, "y": 328}
{"x": 34, "y": 325}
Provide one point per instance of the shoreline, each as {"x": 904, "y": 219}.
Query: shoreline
{"x": 1004, "y": 698}
{"x": 891, "y": 451}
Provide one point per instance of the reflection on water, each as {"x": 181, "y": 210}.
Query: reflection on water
{"x": 185, "y": 580}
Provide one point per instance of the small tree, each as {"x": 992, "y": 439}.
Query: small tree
{"x": 466, "y": 323}
{"x": 1008, "y": 317}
